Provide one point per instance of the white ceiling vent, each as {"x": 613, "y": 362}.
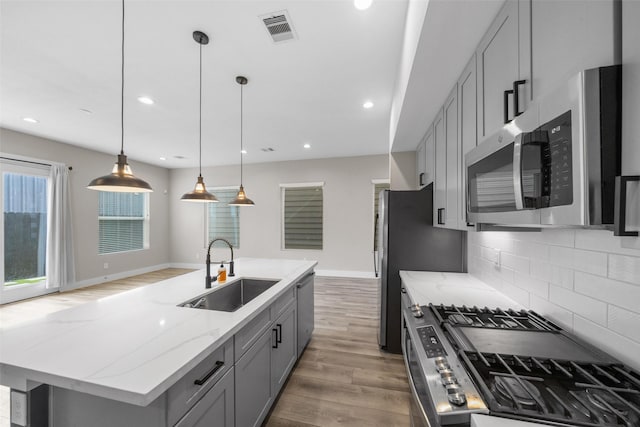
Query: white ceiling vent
{"x": 279, "y": 26}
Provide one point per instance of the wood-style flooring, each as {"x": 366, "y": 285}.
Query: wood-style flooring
{"x": 342, "y": 379}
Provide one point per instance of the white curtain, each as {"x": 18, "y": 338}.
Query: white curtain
{"x": 60, "y": 263}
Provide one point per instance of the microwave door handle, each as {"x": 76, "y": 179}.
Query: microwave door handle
{"x": 517, "y": 172}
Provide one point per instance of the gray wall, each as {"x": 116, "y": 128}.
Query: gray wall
{"x": 402, "y": 170}
{"x": 88, "y": 164}
{"x": 348, "y": 210}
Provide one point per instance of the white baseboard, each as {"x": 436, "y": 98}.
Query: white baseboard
{"x": 346, "y": 273}
{"x": 193, "y": 266}
{"x": 115, "y": 276}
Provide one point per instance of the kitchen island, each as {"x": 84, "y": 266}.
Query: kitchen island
{"x": 129, "y": 358}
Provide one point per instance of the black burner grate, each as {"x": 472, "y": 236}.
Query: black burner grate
{"x": 491, "y": 318}
{"x": 564, "y": 392}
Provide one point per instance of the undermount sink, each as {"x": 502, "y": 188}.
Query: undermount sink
{"x": 232, "y": 296}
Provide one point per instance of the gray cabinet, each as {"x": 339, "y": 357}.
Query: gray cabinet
{"x": 253, "y": 382}
{"x": 453, "y": 158}
{"x": 503, "y": 57}
{"x": 430, "y": 154}
{"x": 440, "y": 182}
{"x": 421, "y": 165}
{"x": 216, "y": 408}
{"x": 570, "y": 36}
{"x": 466, "y": 131}
{"x": 305, "y": 311}
{"x": 285, "y": 351}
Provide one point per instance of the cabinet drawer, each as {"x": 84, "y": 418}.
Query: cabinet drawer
{"x": 251, "y": 332}
{"x": 278, "y": 307}
{"x": 190, "y": 388}
{"x": 216, "y": 408}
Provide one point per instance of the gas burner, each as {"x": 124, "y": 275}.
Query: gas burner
{"x": 516, "y": 393}
{"x": 610, "y": 408}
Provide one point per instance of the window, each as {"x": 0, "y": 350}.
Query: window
{"x": 302, "y": 206}
{"x": 25, "y": 201}
{"x": 378, "y": 186}
{"x": 123, "y": 222}
{"x": 223, "y": 220}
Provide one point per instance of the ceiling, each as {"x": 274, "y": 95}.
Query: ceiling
{"x": 58, "y": 58}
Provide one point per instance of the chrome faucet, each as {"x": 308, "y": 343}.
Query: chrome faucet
{"x": 210, "y": 279}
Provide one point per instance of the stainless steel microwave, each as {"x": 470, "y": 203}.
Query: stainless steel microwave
{"x": 555, "y": 164}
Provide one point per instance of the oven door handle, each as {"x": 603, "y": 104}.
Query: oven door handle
{"x": 412, "y": 385}
{"x": 517, "y": 172}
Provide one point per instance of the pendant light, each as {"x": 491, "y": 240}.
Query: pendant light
{"x": 241, "y": 198}
{"x": 200, "y": 193}
{"x": 121, "y": 178}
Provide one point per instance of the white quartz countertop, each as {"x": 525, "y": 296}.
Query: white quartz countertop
{"x": 425, "y": 287}
{"x": 134, "y": 345}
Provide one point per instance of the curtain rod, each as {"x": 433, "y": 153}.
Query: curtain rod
{"x": 29, "y": 161}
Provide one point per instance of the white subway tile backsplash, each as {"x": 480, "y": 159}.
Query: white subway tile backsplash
{"x": 534, "y": 286}
{"x": 557, "y": 314}
{"x": 540, "y": 270}
{"x": 605, "y": 241}
{"x": 556, "y": 237}
{"x": 518, "y": 263}
{"x": 532, "y": 250}
{"x": 625, "y": 268}
{"x": 624, "y": 322}
{"x": 611, "y": 291}
{"x": 623, "y": 348}
{"x": 585, "y": 306}
{"x": 587, "y": 281}
{"x": 561, "y": 276}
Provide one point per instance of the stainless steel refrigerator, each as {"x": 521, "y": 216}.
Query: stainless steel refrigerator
{"x": 407, "y": 240}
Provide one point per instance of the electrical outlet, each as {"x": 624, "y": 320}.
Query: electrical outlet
{"x": 106, "y": 265}
{"x": 18, "y": 408}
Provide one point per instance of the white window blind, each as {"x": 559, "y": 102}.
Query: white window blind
{"x": 377, "y": 188}
{"x": 123, "y": 221}
{"x": 223, "y": 220}
{"x": 302, "y": 217}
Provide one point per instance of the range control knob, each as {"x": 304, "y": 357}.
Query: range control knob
{"x": 442, "y": 364}
{"x": 448, "y": 377}
{"x": 455, "y": 395}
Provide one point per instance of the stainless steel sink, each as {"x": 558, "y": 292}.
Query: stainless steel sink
{"x": 232, "y": 296}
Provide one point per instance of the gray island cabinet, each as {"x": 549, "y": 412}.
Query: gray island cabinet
{"x": 234, "y": 383}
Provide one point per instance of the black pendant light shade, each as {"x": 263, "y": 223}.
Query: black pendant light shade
{"x": 121, "y": 179}
{"x": 241, "y": 198}
{"x": 200, "y": 193}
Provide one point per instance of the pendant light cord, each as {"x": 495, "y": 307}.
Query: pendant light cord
{"x": 122, "y": 87}
{"x": 200, "y": 112}
{"x": 241, "y": 146}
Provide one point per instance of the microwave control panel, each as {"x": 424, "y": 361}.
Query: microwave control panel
{"x": 557, "y": 157}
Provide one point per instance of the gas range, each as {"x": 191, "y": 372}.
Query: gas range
{"x": 511, "y": 364}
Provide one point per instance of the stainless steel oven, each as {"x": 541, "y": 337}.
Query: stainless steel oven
{"x": 554, "y": 165}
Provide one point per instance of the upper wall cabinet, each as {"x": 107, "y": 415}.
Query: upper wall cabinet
{"x": 570, "y": 36}
{"x": 440, "y": 181}
{"x": 421, "y": 165}
{"x": 453, "y": 159}
{"x": 503, "y": 57}
{"x": 467, "y": 121}
{"x": 430, "y": 153}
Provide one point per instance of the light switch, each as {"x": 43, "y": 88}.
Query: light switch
{"x": 18, "y": 408}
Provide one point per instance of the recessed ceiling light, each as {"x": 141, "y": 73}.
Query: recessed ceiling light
{"x": 30, "y": 120}
{"x": 367, "y": 105}
{"x": 146, "y": 100}
{"x": 307, "y": 145}
{"x": 243, "y": 151}
{"x": 163, "y": 158}
{"x": 362, "y": 4}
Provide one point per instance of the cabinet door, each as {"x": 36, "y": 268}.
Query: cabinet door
{"x": 253, "y": 382}
{"x": 306, "y": 315}
{"x": 587, "y": 40}
{"x": 216, "y": 408}
{"x": 498, "y": 68}
{"x": 430, "y": 153}
{"x": 285, "y": 353}
{"x": 466, "y": 130}
{"x": 453, "y": 158}
{"x": 421, "y": 165}
{"x": 440, "y": 184}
